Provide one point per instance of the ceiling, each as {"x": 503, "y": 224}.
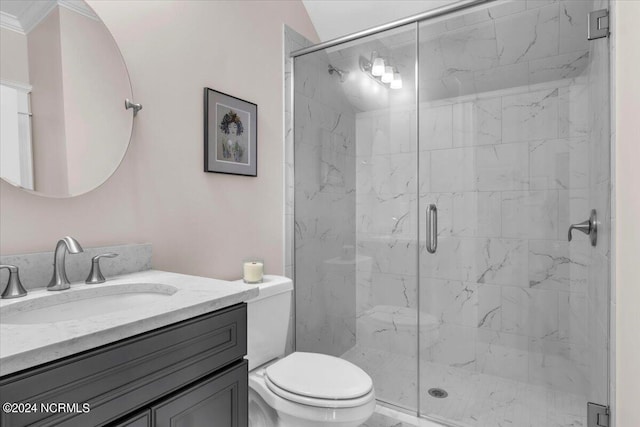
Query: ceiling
{"x": 24, "y": 15}
{"x": 335, "y": 18}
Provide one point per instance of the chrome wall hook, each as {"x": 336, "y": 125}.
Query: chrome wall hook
{"x": 136, "y": 107}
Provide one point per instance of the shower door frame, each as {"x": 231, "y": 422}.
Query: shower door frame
{"x": 289, "y": 173}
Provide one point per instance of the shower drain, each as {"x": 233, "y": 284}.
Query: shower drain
{"x": 438, "y": 393}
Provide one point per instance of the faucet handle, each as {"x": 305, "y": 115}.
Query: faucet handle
{"x": 14, "y": 287}
{"x": 95, "y": 275}
{"x": 104, "y": 255}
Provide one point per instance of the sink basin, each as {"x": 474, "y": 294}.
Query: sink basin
{"x": 80, "y": 304}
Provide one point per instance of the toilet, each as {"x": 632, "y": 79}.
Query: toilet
{"x": 301, "y": 389}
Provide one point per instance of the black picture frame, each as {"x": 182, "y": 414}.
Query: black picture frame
{"x": 230, "y": 134}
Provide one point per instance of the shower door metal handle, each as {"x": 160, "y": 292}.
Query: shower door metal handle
{"x": 432, "y": 229}
{"x": 588, "y": 227}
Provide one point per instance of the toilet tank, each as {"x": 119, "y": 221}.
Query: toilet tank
{"x": 268, "y": 320}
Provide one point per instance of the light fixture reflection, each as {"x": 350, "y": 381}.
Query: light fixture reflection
{"x": 381, "y": 71}
{"x": 378, "y": 67}
{"x": 387, "y": 77}
{"x": 396, "y": 83}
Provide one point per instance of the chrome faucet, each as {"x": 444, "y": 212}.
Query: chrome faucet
{"x": 95, "y": 275}
{"x": 59, "y": 281}
{"x": 14, "y": 287}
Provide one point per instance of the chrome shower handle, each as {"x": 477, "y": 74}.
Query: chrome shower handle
{"x": 584, "y": 226}
{"x": 432, "y": 228}
{"x": 588, "y": 227}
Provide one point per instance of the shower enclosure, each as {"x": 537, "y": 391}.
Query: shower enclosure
{"x": 438, "y": 168}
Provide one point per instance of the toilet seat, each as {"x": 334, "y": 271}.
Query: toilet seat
{"x": 292, "y": 414}
{"x": 319, "y": 380}
{"x": 319, "y": 403}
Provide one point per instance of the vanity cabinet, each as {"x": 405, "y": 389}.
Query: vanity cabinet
{"x": 142, "y": 419}
{"x": 188, "y": 374}
{"x": 218, "y": 401}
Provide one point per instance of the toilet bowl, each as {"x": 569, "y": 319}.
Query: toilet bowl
{"x": 341, "y": 399}
{"x": 301, "y": 389}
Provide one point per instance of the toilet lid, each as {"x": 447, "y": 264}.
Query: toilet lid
{"x": 319, "y": 376}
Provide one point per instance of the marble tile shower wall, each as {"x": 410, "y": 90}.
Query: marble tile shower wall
{"x": 292, "y": 42}
{"x": 324, "y": 194}
{"x": 508, "y": 171}
{"x": 506, "y": 44}
{"x": 512, "y": 150}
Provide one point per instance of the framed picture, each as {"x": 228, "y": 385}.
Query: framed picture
{"x": 230, "y": 134}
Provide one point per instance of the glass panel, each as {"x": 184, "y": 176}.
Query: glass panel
{"x": 355, "y": 210}
{"x": 514, "y": 147}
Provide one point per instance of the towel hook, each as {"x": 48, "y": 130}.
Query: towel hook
{"x": 136, "y": 107}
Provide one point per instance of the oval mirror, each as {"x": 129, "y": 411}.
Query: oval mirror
{"x": 64, "y": 82}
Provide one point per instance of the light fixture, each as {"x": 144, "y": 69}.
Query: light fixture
{"x": 396, "y": 83}
{"x": 381, "y": 71}
{"x": 387, "y": 77}
{"x": 377, "y": 69}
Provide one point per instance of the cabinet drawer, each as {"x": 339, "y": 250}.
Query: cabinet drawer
{"x": 124, "y": 376}
{"x": 219, "y": 401}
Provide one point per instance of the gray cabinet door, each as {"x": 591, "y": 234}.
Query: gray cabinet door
{"x": 128, "y": 375}
{"x": 142, "y": 419}
{"x": 219, "y": 401}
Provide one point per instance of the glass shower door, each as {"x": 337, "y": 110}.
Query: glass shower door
{"x": 356, "y": 208}
{"x": 513, "y": 149}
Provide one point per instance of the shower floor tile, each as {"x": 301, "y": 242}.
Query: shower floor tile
{"x": 379, "y": 420}
{"x": 388, "y": 417}
{"x": 474, "y": 400}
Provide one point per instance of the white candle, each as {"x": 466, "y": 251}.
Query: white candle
{"x": 253, "y": 271}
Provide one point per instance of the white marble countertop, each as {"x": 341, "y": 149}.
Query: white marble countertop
{"x": 24, "y": 346}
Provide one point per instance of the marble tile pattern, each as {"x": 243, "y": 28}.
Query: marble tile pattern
{"x": 475, "y": 399}
{"x": 512, "y": 120}
{"x": 385, "y": 416}
{"x": 509, "y": 171}
{"x": 377, "y": 420}
{"x": 503, "y": 45}
{"x": 36, "y": 269}
{"x": 325, "y": 209}
{"x": 22, "y": 345}
{"x": 292, "y": 41}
